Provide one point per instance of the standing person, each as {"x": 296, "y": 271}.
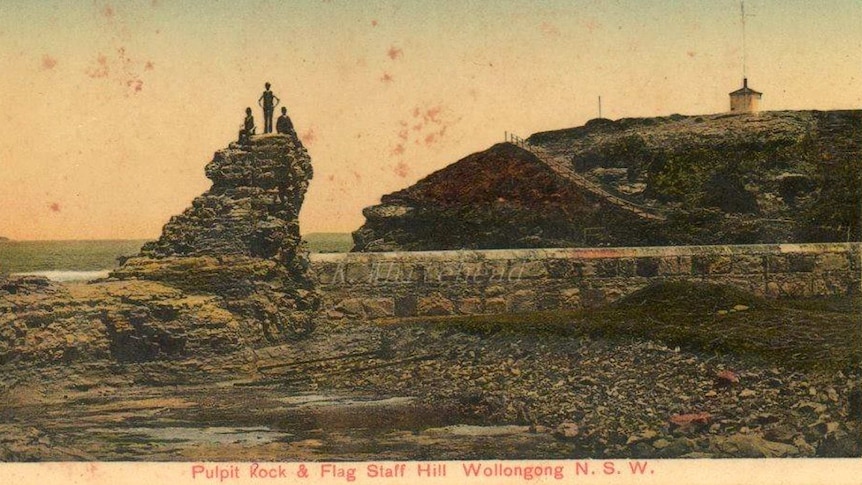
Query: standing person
{"x": 266, "y": 101}
{"x": 283, "y": 124}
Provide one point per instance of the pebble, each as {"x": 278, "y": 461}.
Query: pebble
{"x": 660, "y": 443}
{"x": 573, "y": 382}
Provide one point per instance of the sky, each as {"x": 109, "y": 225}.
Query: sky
{"x": 113, "y": 108}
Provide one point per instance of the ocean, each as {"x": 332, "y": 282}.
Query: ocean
{"x": 88, "y": 260}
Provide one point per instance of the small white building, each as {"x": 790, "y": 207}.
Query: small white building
{"x": 745, "y": 100}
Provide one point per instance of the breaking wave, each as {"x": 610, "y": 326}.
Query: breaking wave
{"x": 65, "y": 276}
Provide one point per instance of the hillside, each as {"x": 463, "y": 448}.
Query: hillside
{"x": 784, "y": 176}
{"x": 502, "y": 197}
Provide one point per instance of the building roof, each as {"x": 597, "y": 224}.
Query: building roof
{"x": 745, "y": 90}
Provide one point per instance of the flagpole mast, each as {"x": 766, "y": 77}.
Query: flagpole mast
{"x": 744, "y": 67}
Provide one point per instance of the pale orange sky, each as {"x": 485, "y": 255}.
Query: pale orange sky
{"x": 113, "y": 108}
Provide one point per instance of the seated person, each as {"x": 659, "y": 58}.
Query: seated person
{"x": 284, "y": 125}
{"x": 248, "y": 128}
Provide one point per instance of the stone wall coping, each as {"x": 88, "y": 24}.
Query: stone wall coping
{"x": 585, "y": 253}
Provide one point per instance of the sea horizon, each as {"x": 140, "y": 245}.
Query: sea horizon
{"x": 73, "y": 260}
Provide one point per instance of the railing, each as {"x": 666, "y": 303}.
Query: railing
{"x": 516, "y": 140}
{"x": 569, "y": 172}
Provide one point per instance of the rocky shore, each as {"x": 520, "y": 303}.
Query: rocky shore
{"x": 635, "y": 398}
{"x": 425, "y": 388}
{"x": 210, "y": 344}
{"x": 227, "y": 275}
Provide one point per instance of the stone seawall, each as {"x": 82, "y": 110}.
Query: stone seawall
{"x": 407, "y": 284}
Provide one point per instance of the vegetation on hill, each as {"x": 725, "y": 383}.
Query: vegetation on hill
{"x": 768, "y": 177}
{"x": 720, "y": 179}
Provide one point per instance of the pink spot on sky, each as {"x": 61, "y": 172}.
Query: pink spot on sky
{"x": 54, "y": 207}
{"x": 48, "y": 62}
{"x": 108, "y": 11}
{"x": 691, "y": 53}
{"x": 386, "y": 78}
{"x": 394, "y": 53}
{"x": 549, "y": 29}
{"x": 374, "y": 23}
{"x": 592, "y": 25}
{"x": 428, "y": 127}
{"x": 309, "y": 137}
{"x": 149, "y": 66}
{"x": 331, "y": 178}
{"x": 401, "y": 169}
{"x": 100, "y": 69}
{"x": 135, "y": 84}
{"x": 432, "y": 114}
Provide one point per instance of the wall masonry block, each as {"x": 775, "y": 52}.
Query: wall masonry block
{"x": 587, "y": 268}
{"x": 720, "y": 264}
{"x": 746, "y": 264}
{"x": 357, "y": 273}
{"x": 700, "y": 264}
{"x": 608, "y": 268}
{"x": 801, "y": 263}
{"x": 560, "y": 269}
{"x": 383, "y": 285}
{"x": 523, "y": 301}
{"x": 470, "y": 306}
{"x": 497, "y": 270}
{"x": 352, "y": 307}
{"x": 406, "y": 306}
{"x": 647, "y": 267}
{"x": 778, "y": 263}
{"x": 788, "y": 286}
{"x": 674, "y": 265}
{"x": 495, "y": 290}
{"x": 527, "y": 269}
{"x": 832, "y": 262}
{"x": 379, "y": 307}
{"x": 496, "y": 305}
{"x": 435, "y": 305}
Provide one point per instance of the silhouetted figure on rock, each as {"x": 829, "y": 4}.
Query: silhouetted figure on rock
{"x": 284, "y": 125}
{"x": 268, "y": 101}
{"x": 248, "y": 128}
